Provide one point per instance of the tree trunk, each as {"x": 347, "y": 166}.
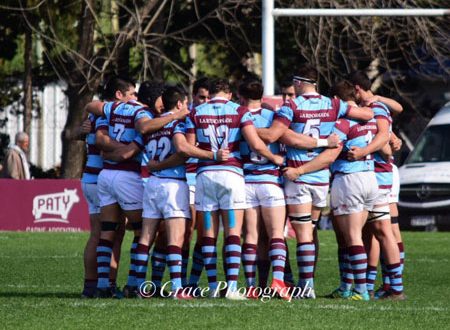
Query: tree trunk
{"x": 79, "y": 93}
{"x": 27, "y": 82}
{"x": 73, "y": 153}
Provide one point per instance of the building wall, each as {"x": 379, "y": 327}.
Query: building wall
{"x": 46, "y": 127}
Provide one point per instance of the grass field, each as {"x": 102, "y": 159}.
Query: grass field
{"x": 41, "y": 280}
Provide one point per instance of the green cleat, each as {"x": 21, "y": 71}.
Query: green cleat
{"x": 339, "y": 294}
{"x": 360, "y": 296}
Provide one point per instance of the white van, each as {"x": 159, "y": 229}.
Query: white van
{"x": 425, "y": 178}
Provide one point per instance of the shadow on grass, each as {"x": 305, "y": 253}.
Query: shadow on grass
{"x": 59, "y": 295}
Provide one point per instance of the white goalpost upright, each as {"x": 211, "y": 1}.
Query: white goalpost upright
{"x": 268, "y": 28}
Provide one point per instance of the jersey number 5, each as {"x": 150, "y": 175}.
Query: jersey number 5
{"x": 312, "y": 128}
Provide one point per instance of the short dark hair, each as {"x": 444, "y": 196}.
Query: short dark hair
{"x": 114, "y": 84}
{"x": 361, "y": 79}
{"x": 307, "y": 71}
{"x": 251, "y": 89}
{"x": 344, "y": 90}
{"x": 219, "y": 85}
{"x": 172, "y": 95}
{"x": 200, "y": 83}
{"x": 149, "y": 91}
{"x": 287, "y": 83}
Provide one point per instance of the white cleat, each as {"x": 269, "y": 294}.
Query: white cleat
{"x": 235, "y": 295}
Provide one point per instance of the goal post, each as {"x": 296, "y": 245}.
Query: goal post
{"x": 268, "y": 28}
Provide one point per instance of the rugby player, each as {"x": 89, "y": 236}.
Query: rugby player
{"x": 311, "y": 114}
{"x": 119, "y": 183}
{"x": 117, "y": 89}
{"x": 216, "y": 125}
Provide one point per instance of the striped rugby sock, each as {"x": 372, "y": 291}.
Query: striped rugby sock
{"x": 249, "y": 261}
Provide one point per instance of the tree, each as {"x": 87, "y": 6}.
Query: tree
{"x": 153, "y": 32}
{"x": 394, "y": 51}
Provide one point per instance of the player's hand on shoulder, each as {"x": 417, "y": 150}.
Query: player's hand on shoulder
{"x": 333, "y": 140}
{"x": 372, "y": 99}
{"x": 223, "y": 155}
{"x": 181, "y": 114}
{"x": 355, "y": 153}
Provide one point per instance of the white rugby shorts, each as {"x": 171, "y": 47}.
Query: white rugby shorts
{"x": 191, "y": 195}
{"x": 224, "y": 190}
{"x": 122, "y": 187}
{"x": 395, "y": 190}
{"x": 166, "y": 198}
{"x": 302, "y": 193}
{"x": 354, "y": 192}
{"x": 91, "y": 196}
{"x": 264, "y": 194}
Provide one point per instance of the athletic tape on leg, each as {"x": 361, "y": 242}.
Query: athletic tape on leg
{"x": 207, "y": 220}
{"x": 379, "y": 213}
{"x": 109, "y": 226}
{"x": 231, "y": 219}
{"x": 300, "y": 218}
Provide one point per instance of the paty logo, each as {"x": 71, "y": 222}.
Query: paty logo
{"x": 58, "y": 204}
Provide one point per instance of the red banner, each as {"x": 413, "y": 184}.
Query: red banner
{"x": 43, "y": 205}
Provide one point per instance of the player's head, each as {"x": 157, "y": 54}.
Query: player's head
{"x": 287, "y": 90}
{"x": 150, "y": 94}
{"x": 119, "y": 89}
{"x": 220, "y": 87}
{"x": 22, "y": 140}
{"x": 305, "y": 79}
{"x": 344, "y": 90}
{"x": 250, "y": 90}
{"x": 174, "y": 98}
{"x": 361, "y": 83}
{"x": 200, "y": 91}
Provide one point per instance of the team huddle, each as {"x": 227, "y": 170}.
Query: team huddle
{"x": 163, "y": 169}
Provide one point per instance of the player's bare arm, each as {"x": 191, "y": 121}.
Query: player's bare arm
{"x": 273, "y": 133}
{"x": 104, "y": 142}
{"x": 386, "y": 152}
{"x": 191, "y": 138}
{"x": 302, "y": 141}
{"x": 147, "y": 125}
{"x": 171, "y": 161}
{"x": 380, "y": 139}
{"x": 95, "y": 107}
{"x": 395, "y": 107}
{"x": 360, "y": 113}
{"x": 323, "y": 160}
{"x": 186, "y": 149}
{"x": 258, "y": 145}
{"x": 122, "y": 152}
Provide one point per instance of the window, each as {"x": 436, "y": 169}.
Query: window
{"x": 433, "y": 146}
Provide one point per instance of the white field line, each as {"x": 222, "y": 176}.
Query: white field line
{"x": 207, "y": 304}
